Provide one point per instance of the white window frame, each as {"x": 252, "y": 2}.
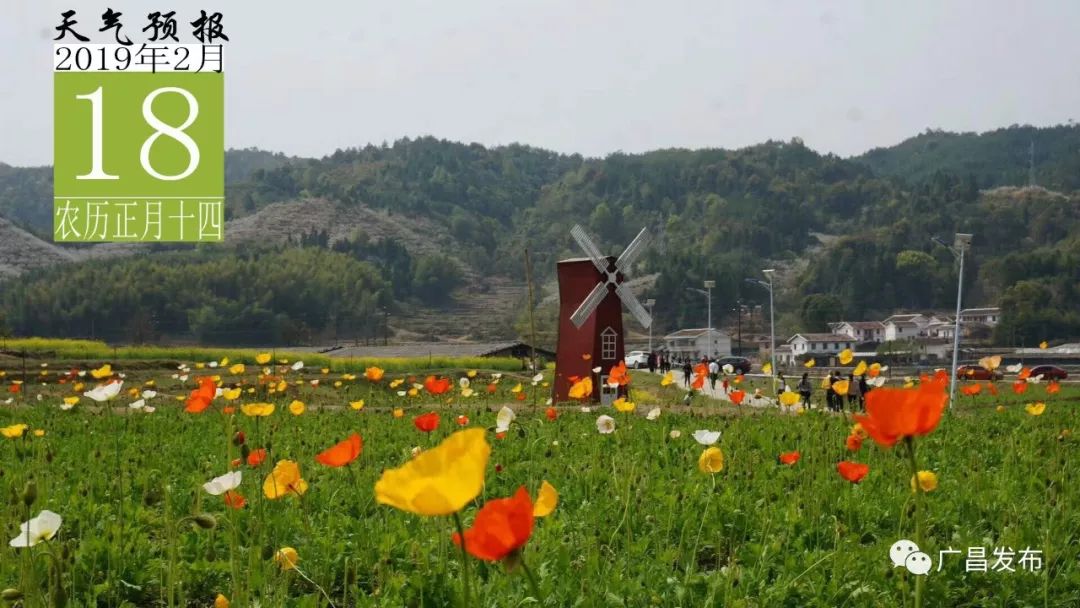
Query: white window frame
{"x": 609, "y": 342}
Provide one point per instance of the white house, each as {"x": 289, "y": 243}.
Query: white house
{"x": 901, "y": 329}
{"x": 697, "y": 343}
{"x": 803, "y": 345}
{"x": 989, "y": 316}
{"x": 941, "y": 329}
{"x": 860, "y": 331}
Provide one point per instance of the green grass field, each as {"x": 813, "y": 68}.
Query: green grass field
{"x": 637, "y": 523}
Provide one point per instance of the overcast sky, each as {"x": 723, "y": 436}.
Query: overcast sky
{"x": 590, "y": 76}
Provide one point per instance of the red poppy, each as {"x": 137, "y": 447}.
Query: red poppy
{"x": 239, "y": 438}
{"x": 1024, "y": 373}
{"x": 854, "y": 443}
{"x": 971, "y": 389}
{"x": 463, "y": 420}
{"x": 14, "y": 389}
{"x": 236, "y": 462}
{"x": 551, "y": 413}
{"x": 1019, "y": 387}
{"x": 256, "y": 457}
{"x": 437, "y": 386}
{"x": 501, "y": 435}
{"x": 737, "y": 396}
{"x": 789, "y": 458}
{"x": 228, "y": 409}
{"x": 201, "y": 397}
{"x": 501, "y": 528}
{"x": 491, "y": 388}
{"x": 520, "y": 396}
{"x": 894, "y": 413}
{"x": 1053, "y": 388}
{"x": 427, "y": 422}
{"x": 234, "y": 500}
{"x": 342, "y": 453}
{"x": 852, "y": 471}
{"x": 618, "y": 375}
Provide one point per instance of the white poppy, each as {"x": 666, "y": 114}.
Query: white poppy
{"x": 219, "y": 485}
{"x": 416, "y": 451}
{"x": 1035, "y": 379}
{"x": 463, "y": 382}
{"x": 42, "y": 527}
{"x": 675, "y": 433}
{"x": 138, "y": 405}
{"x": 40, "y": 397}
{"x": 876, "y": 382}
{"x": 183, "y": 378}
{"x": 315, "y": 383}
{"x": 9, "y": 400}
{"x": 705, "y": 437}
{"x": 537, "y": 379}
{"x": 82, "y": 373}
{"x": 653, "y": 414}
{"x": 105, "y": 392}
{"x": 605, "y": 424}
{"x": 728, "y": 369}
{"x": 585, "y": 409}
{"x": 496, "y": 376}
{"x": 402, "y": 393}
{"x": 596, "y": 370}
{"x": 212, "y": 364}
{"x": 1014, "y": 369}
{"x": 503, "y": 419}
{"x": 548, "y": 402}
{"x": 149, "y": 394}
{"x": 299, "y": 365}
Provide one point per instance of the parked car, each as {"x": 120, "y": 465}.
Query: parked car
{"x": 977, "y": 372}
{"x": 740, "y": 364}
{"x": 637, "y": 359}
{"x": 1049, "y": 372}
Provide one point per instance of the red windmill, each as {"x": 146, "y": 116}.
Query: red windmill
{"x": 590, "y": 314}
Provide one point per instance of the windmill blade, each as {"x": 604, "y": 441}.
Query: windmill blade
{"x": 633, "y": 251}
{"x": 630, "y": 300}
{"x": 589, "y": 304}
{"x": 590, "y": 250}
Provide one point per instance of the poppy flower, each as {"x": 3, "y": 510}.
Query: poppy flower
{"x": 13, "y": 431}
{"x": 990, "y": 363}
{"x": 711, "y": 460}
{"x": 766, "y": 368}
{"x": 503, "y": 419}
{"x": 971, "y": 389}
{"x": 1053, "y": 388}
{"x": 860, "y": 369}
{"x": 840, "y": 387}
{"x": 809, "y": 363}
{"x": 501, "y": 528}
{"x": 737, "y": 396}
{"x": 234, "y": 500}
{"x": 286, "y": 558}
{"x": 789, "y": 398}
{"x": 200, "y": 398}
{"x": 463, "y": 420}
{"x": 439, "y": 481}
{"x": 219, "y": 485}
{"x": 1024, "y": 373}
{"x": 491, "y": 388}
{"x": 551, "y": 413}
{"x": 43, "y": 527}
{"x": 1019, "y": 387}
{"x": 894, "y": 413}
{"x": 1044, "y": 345}
{"x": 357, "y": 405}
{"x": 256, "y": 457}
{"x": 520, "y": 396}
{"x": 605, "y": 425}
{"x": 618, "y": 375}
{"x": 398, "y": 412}
{"x": 846, "y": 356}
{"x": 927, "y": 481}
{"x": 297, "y": 407}
{"x": 852, "y": 471}
{"x": 706, "y": 437}
{"x": 991, "y": 388}
{"x": 102, "y": 372}
{"x": 262, "y": 358}
{"x": 667, "y": 379}
{"x": 653, "y": 414}
{"x": 342, "y": 453}
{"x": 854, "y": 443}
{"x": 259, "y": 410}
{"x": 14, "y": 389}
{"x": 105, "y": 392}
{"x": 581, "y": 389}
{"x": 437, "y": 386}
{"x": 1035, "y": 409}
{"x": 622, "y": 405}
{"x": 789, "y": 458}
{"x": 546, "y": 500}
{"x": 284, "y": 480}
{"x": 374, "y": 374}
{"x": 221, "y": 601}
{"x": 427, "y": 422}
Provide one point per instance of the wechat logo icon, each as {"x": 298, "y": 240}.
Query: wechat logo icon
{"x": 906, "y": 554}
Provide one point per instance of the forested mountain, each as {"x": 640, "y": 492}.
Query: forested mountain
{"x": 851, "y": 237}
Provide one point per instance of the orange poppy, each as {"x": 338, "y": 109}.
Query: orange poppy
{"x": 586, "y": 357}
{"x": 701, "y": 371}
{"x": 342, "y": 453}
{"x": 256, "y": 457}
{"x": 427, "y": 422}
{"x": 737, "y": 397}
{"x": 200, "y": 398}
{"x": 971, "y": 389}
{"x": 789, "y": 458}
{"x": 1024, "y": 373}
{"x": 1019, "y": 387}
{"x": 491, "y": 388}
{"x": 463, "y": 420}
{"x": 894, "y": 413}
{"x": 854, "y": 443}
{"x": 1053, "y": 388}
{"x": 501, "y": 529}
{"x": 852, "y": 471}
{"x": 14, "y": 389}
{"x": 437, "y": 386}
{"x": 618, "y": 376}
{"x": 520, "y": 396}
{"x": 551, "y": 413}
{"x": 234, "y": 500}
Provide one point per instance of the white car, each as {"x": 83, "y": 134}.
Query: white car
{"x": 637, "y": 359}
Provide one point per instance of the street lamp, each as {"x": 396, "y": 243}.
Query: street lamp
{"x": 707, "y": 292}
{"x": 649, "y": 304}
{"x": 768, "y": 272}
{"x": 960, "y": 245}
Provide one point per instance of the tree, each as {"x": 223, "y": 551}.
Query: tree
{"x": 820, "y": 309}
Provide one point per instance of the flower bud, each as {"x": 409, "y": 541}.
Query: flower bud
{"x": 205, "y": 521}
{"x": 11, "y": 595}
{"x": 29, "y": 494}
{"x": 238, "y": 438}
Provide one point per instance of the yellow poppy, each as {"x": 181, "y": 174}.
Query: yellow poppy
{"x": 262, "y": 358}
{"x": 860, "y": 369}
{"x": 667, "y": 379}
{"x": 927, "y": 481}
{"x": 396, "y": 383}
{"x": 439, "y": 481}
{"x": 711, "y": 460}
{"x": 841, "y": 387}
{"x": 1035, "y": 409}
{"x": 237, "y": 369}
{"x": 766, "y": 368}
{"x": 374, "y": 374}
{"x": 224, "y": 362}
{"x": 79, "y": 386}
{"x": 337, "y": 384}
{"x": 282, "y": 386}
{"x": 297, "y": 407}
{"x": 231, "y": 394}
{"x": 1043, "y": 344}
{"x": 990, "y": 363}
{"x": 14, "y": 431}
{"x": 71, "y": 400}
{"x": 221, "y": 601}
{"x": 325, "y": 370}
{"x": 200, "y": 365}
{"x": 398, "y": 412}
{"x": 846, "y": 356}
{"x": 102, "y": 372}
{"x": 517, "y": 389}
{"x": 581, "y": 389}
{"x": 789, "y": 398}
{"x": 286, "y": 558}
{"x": 357, "y": 405}
{"x": 257, "y": 409}
{"x": 546, "y": 499}
{"x": 622, "y": 405}
{"x": 283, "y": 480}
{"x": 809, "y": 363}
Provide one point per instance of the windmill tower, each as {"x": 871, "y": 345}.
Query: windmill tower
{"x": 592, "y": 291}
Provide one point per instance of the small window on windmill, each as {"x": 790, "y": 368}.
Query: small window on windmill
{"x": 607, "y": 344}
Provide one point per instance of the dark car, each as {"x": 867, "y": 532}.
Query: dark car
{"x": 977, "y": 372}
{"x": 741, "y": 365}
{"x": 1049, "y": 372}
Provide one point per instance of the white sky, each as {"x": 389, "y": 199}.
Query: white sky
{"x": 591, "y": 76}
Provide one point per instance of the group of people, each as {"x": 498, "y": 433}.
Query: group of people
{"x": 857, "y": 388}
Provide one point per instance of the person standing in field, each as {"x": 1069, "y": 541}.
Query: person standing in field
{"x": 714, "y": 373}
{"x": 805, "y": 390}
{"x": 830, "y": 394}
{"x": 854, "y": 393}
{"x": 687, "y": 369}
{"x": 864, "y": 388}
{"x": 651, "y": 362}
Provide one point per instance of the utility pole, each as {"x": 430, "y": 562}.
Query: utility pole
{"x": 959, "y": 247}
{"x": 532, "y": 322}
{"x": 650, "y": 303}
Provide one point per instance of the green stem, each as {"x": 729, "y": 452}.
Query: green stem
{"x": 918, "y": 516}
{"x": 465, "y": 582}
{"x": 533, "y": 586}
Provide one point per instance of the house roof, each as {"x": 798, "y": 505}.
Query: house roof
{"x": 902, "y": 323}
{"x": 863, "y": 324}
{"x": 910, "y": 317}
{"x": 429, "y": 349}
{"x": 692, "y": 332}
{"x": 821, "y": 338}
{"x": 988, "y": 309}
